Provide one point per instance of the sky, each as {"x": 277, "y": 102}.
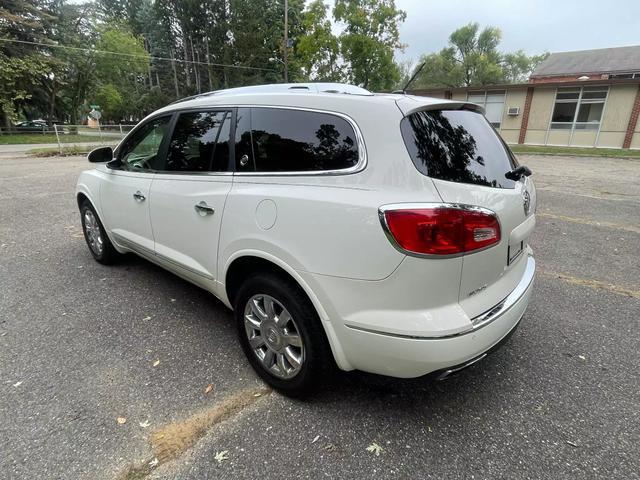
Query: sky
{"x": 534, "y": 26}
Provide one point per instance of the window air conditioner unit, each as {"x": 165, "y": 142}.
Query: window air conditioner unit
{"x": 513, "y": 111}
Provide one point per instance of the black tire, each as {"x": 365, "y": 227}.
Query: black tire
{"x": 107, "y": 255}
{"x": 318, "y": 365}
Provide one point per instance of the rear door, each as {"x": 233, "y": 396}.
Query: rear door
{"x": 189, "y": 193}
{"x": 467, "y": 162}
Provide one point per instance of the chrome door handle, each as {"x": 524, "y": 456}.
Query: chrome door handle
{"x": 139, "y": 196}
{"x": 203, "y": 209}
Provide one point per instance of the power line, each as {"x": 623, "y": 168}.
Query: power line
{"x": 212, "y": 64}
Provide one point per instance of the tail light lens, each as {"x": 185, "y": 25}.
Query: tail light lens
{"x": 441, "y": 230}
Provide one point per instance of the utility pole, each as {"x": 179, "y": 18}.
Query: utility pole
{"x": 286, "y": 41}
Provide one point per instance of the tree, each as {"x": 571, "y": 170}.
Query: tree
{"x": 369, "y": 41}
{"x": 23, "y": 66}
{"x": 317, "y": 51}
{"x": 518, "y": 66}
{"x": 472, "y": 58}
{"x": 120, "y": 73}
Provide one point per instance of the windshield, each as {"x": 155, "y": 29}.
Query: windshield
{"x": 458, "y": 146}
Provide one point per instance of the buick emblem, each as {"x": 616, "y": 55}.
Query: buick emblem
{"x": 526, "y": 202}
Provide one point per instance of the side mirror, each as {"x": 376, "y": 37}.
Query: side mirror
{"x": 100, "y": 155}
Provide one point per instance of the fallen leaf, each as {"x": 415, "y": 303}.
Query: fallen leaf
{"x": 156, "y": 363}
{"x": 375, "y": 449}
{"x": 145, "y": 424}
{"x": 257, "y": 394}
{"x": 209, "y": 389}
{"x": 222, "y": 456}
{"x": 315, "y": 439}
{"x": 121, "y": 420}
{"x": 17, "y": 384}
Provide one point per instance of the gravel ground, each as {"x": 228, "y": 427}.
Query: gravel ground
{"x": 80, "y": 345}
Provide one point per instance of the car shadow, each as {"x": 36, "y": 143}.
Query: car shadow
{"x": 482, "y": 378}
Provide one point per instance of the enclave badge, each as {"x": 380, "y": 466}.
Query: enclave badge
{"x": 526, "y": 202}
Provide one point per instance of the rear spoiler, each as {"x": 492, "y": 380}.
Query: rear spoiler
{"x": 409, "y": 104}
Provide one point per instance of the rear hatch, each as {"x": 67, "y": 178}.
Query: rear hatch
{"x": 454, "y": 145}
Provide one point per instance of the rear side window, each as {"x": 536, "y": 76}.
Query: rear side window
{"x": 282, "y": 140}
{"x": 458, "y": 146}
{"x": 200, "y": 143}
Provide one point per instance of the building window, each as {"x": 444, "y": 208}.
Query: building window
{"x": 493, "y": 103}
{"x": 578, "y": 108}
{"x": 625, "y": 75}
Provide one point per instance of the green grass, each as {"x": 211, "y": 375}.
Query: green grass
{"x": 55, "y": 152}
{"x": 578, "y": 151}
{"x": 27, "y": 138}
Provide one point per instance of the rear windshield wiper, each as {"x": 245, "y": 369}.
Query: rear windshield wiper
{"x": 517, "y": 173}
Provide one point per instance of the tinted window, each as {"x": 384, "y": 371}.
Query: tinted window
{"x": 140, "y": 151}
{"x": 295, "y": 141}
{"x": 459, "y": 146}
{"x": 200, "y": 143}
{"x": 244, "y": 148}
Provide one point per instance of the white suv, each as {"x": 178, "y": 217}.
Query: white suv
{"x": 384, "y": 233}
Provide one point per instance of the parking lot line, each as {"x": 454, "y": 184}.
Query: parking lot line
{"x": 586, "y": 221}
{"x": 597, "y": 284}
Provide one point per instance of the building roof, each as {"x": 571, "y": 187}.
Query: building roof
{"x": 520, "y": 86}
{"x": 603, "y": 60}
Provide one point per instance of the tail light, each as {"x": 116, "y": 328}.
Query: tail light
{"x": 440, "y": 230}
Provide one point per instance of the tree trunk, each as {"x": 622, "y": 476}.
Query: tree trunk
{"x": 208, "y": 64}
{"x": 175, "y": 75}
{"x": 187, "y": 73}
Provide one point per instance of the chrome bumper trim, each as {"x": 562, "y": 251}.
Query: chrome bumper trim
{"x": 481, "y": 320}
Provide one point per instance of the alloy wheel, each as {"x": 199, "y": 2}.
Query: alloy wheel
{"x": 273, "y": 336}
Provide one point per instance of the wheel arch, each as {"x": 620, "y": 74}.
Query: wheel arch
{"x": 239, "y": 265}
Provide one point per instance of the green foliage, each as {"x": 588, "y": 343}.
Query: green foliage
{"x": 128, "y": 57}
{"x": 472, "y": 58}
{"x": 369, "y": 41}
{"x": 110, "y": 101}
{"x": 19, "y": 77}
{"x": 318, "y": 49}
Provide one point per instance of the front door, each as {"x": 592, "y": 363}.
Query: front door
{"x": 190, "y": 192}
{"x": 125, "y": 193}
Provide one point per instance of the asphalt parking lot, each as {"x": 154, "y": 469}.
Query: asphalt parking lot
{"x": 83, "y": 345}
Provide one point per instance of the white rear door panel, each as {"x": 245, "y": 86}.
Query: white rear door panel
{"x": 184, "y": 236}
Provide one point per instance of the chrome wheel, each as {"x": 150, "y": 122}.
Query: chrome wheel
{"x": 92, "y": 232}
{"x": 273, "y": 336}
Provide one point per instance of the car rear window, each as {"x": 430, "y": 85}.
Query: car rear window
{"x": 458, "y": 146}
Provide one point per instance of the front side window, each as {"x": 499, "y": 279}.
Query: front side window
{"x": 140, "y": 152}
{"x": 200, "y": 143}
{"x": 578, "y": 108}
{"x": 282, "y": 140}
{"x": 457, "y": 146}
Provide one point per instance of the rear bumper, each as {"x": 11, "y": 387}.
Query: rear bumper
{"x": 407, "y": 356}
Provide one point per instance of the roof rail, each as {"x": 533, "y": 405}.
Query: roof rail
{"x": 311, "y": 87}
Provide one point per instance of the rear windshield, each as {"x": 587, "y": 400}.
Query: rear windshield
{"x": 458, "y": 146}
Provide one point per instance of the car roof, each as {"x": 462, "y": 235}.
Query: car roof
{"x": 337, "y": 97}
